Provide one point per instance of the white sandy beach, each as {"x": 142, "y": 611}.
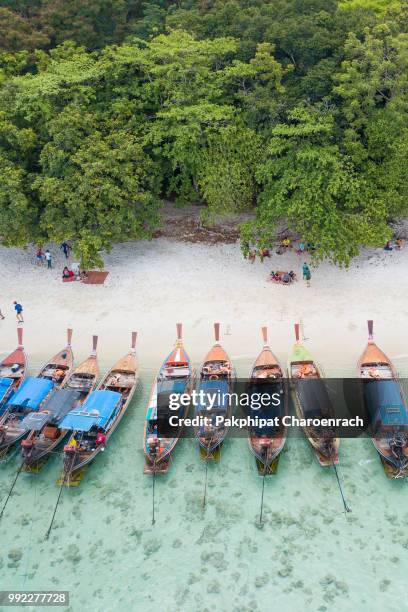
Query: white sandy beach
{"x": 152, "y": 285}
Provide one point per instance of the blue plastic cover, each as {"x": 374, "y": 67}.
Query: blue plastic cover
{"x": 97, "y": 410}
{"x": 385, "y": 402}
{"x": 5, "y": 384}
{"x": 32, "y": 393}
{"x": 219, "y": 389}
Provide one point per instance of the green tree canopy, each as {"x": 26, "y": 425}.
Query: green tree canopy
{"x": 295, "y": 110}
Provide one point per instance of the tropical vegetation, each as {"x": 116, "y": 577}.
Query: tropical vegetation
{"x": 296, "y": 110}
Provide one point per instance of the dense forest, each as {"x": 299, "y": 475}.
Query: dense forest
{"x": 295, "y": 109}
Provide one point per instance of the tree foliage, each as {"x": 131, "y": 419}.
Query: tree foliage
{"x": 295, "y": 109}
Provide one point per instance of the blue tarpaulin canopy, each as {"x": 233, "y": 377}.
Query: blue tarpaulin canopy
{"x": 5, "y": 384}
{"x": 216, "y": 390}
{"x": 97, "y": 410}
{"x": 164, "y": 390}
{"x": 54, "y": 409}
{"x": 31, "y": 393}
{"x": 385, "y": 402}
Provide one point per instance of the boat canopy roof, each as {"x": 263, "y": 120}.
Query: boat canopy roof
{"x": 270, "y": 387}
{"x": 385, "y": 402}
{"x": 32, "y": 392}
{"x": 171, "y": 386}
{"x": 97, "y": 411}
{"x": 54, "y": 409}
{"x": 5, "y": 384}
{"x": 218, "y": 388}
{"x": 314, "y": 398}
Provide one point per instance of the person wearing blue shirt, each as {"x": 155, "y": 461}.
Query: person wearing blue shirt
{"x": 19, "y": 312}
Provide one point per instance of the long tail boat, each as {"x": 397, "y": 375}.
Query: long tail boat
{"x": 312, "y": 402}
{"x": 93, "y": 423}
{"x": 13, "y": 370}
{"x": 175, "y": 376}
{"x": 267, "y": 376}
{"x": 32, "y": 395}
{"x": 217, "y": 378}
{"x": 45, "y": 431}
{"x": 386, "y": 405}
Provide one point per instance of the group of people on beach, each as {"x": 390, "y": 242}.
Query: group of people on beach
{"x": 391, "y": 245}
{"x": 286, "y": 243}
{"x": 46, "y": 256}
{"x": 71, "y": 275}
{"x": 68, "y": 274}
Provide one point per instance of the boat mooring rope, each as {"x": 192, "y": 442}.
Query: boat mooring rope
{"x": 263, "y": 489}
{"x": 346, "y": 506}
{"x": 30, "y": 541}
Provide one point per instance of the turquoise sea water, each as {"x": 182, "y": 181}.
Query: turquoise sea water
{"x": 307, "y": 555}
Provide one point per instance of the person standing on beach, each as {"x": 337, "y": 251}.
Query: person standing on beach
{"x": 48, "y": 259}
{"x": 19, "y": 312}
{"x": 40, "y": 256}
{"x": 307, "y": 275}
{"x": 65, "y": 248}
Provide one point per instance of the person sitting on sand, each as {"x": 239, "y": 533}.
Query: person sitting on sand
{"x": 286, "y": 279}
{"x": 388, "y": 246}
{"x": 286, "y": 243}
{"x": 83, "y": 275}
{"x": 399, "y": 243}
{"x": 292, "y": 275}
{"x": 66, "y": 273}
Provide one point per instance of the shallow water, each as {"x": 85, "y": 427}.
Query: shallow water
{"x": 105, "y": 551}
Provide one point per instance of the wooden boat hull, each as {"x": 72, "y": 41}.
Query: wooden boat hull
{"x": 75, "y": 458}
{"x": 271, "y": 469}
{"x": 56, "y": 370}
{"x": 84, "y": 458}
{"x": 175, "y": 370}
{"x": 161, "y": 464}
{"x": 82, "y": 379}
{"x": 372, "y": 366}
{"x": 267, "y": 377}
{"x": 41, "y": 447}
{"x": 7, "y": 366}
{"x": 326, "y": 458}
{"x": 265, "y": 459}
{"x": 391, "y": 471}
{"x": 11, "y": 431}
{"x": 326, "y": 450}
{"x": 217, "y": 377}
{"x": 210, "y": 446}
{"x": 35, "y": 460}
{"x": 8, "y": 442}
